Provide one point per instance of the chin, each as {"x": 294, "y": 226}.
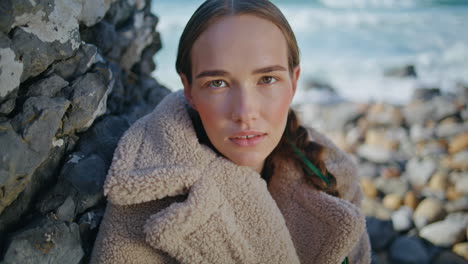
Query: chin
{"x": 248, "y": 160}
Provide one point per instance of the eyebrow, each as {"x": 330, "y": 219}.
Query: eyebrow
{"x": 268, "y": 69}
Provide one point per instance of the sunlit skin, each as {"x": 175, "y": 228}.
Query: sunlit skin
{"x": 241, "y": 85}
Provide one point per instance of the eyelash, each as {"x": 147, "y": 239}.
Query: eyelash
{"x": 272, "y": 78}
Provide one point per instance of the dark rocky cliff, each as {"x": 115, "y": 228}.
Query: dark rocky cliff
{"x": 74, "y": 74}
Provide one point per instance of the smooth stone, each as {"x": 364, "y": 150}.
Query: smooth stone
{"x": 408, "y": 250}
{"x": 369, "y": 188}
{"x": 419, "y": 133}
{"x": 48, "y": 242}
{"x": 373, "y": 208}
{"x": 398, "y": 186}
{"x": 458, "y": 205}
{"x": 384, "y": 114}
{"x": 424, "y": 94}
{"x": 461, "y": 183}
{"x": 378, "y": 138}
{"x": 375, "y": 154}
{"x": 354, "y": 136}
{"x": 411, "y": 200}
{"x": 419, "y": 171}
{"x": 461, "y": 249}
{"x": 439, "y": 181}
{"x": 444, "y": 233}
{"x": 401, "y": 219}
{"x": 448, "y": 257}
{"x": 428, "y": 211}
{"x": 368, "y": 170}
{"x": 450, "y": 129}
{"x": 459, "y": 161}
{"x": 381, "y": 233}
{"x": 392, "y": 201}
{"x": 459, "y": 143}
{"x": 431, "y": 148}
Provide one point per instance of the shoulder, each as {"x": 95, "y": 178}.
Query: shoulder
{"x": 341, "y": 165}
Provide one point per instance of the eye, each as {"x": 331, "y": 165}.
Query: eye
{"x": 217, "y": 84}
{"x": 268, "y": 79}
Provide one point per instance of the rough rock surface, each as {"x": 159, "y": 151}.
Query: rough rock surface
{"x": 74, "y": 75}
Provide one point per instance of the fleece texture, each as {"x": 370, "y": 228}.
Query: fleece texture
{"x": 174, "y": 200}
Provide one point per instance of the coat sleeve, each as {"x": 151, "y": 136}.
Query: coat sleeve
{"x": 361, "y": 253}
{"x": 121, "y": 239}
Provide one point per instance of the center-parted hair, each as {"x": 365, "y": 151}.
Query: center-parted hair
{"x": 204, "y": 16}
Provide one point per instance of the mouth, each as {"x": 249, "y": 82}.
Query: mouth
{"x": 247, "y": 138}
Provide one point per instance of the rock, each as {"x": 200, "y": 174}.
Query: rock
{"x": 425, "y": 94}
{"x": 408, "y": 250}
{"x": 331, "y": 118}
{"x": 38, "y": 124}
{"x": 428, "y": 211}
{"x": 88, "y": 96}
{"x": 384, "y": 114}
{"x": 379, "y": 138}
{"x": 79, "y": 64}
{"x": 418, "y": 112}
{"x": 433, "y": 148}
{"x": 47, "y": 242}
{"x": 391, "y": 172}
{"x": 7, "y": 106}
{"x": 373, "y": 208}
{"x": 461, "y": 183}
{"x": 459, "y": 161}
{"x": 410, "y": 200}
{"x": 420, "y": 170}
{"x": 103, "y": 35}
{"x": 398, "y": 186}
{"x": 392, "y": 201}
{"x": 450, "y": 128}
{"x": 375, "y": 154}
{"x": 444, "y": 233}
{"x": 420, "y": 133}
{"x": 94, "y": 11}
{"x": 44, "y": 34}
{"x": 102, "y": 138}
{"x": 367, "y": 170}
{"x": 48, "y": 86}
{"x": 401, "y": 219}
{"x": 461, "y": 249}
{"x": 401, "y": 72}
{"x": 459, "y": 143}
{"x": 369, "y": 188}
{"x": 439, "y": 181}
{"x": 458, "y": 205}
{"x": 448, "y": 257}
{"x": 66, "y": 212}
{"x": 11, "y": 68}
{"x": 381, "y": 233}
{"x": 40, "y": 121}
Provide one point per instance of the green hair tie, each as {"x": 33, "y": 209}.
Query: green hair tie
{"x": 309, "y": 164}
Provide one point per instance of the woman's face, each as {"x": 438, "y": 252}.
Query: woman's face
{"x": 241, "y": 87}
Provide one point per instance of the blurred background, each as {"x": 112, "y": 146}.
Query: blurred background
{"x": 365, "y": 49}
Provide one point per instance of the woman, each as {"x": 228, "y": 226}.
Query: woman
{"x": 223, "y": 172}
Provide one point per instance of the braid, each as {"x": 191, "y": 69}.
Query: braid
{"x": 297, "y": 135}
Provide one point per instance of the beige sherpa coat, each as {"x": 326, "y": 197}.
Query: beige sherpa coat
{"x": 173, "y": 200}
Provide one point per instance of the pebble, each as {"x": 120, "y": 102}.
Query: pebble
{"x": 392, "y": 185}
{"x": 411, "y": 200}
{"x": 401, "y": 219}
{"x": 444, "y": 233}
{"x": 461, "y": 249}
{"x": 458, "y": 143}
{"x": 381, "y": 233}
{"x": 428, "y": 211}
{"x": 369, "y": 188}
{"x": 371, "y": 207}
{"x": 439, "y": 181}
{"x": 420, "y": 171}
{"x": 392, "y": 201}
{"x": 375, "y": 154}
{"x": 458, "y": 205}
{"x": 407, "y": 249}
{"x": 448, "y": 257}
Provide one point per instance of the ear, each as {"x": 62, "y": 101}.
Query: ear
{"x": 295, "y": 77}
{"x": 187, "y": 90}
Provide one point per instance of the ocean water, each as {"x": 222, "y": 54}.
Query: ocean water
{"x": 349, "y": 44}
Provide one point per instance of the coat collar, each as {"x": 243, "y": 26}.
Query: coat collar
{"x": 160, "y": 156}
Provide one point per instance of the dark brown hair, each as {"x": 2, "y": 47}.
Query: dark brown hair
{"x": 294, "y": 133}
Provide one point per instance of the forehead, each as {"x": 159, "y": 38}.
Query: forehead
{"x": 239, "y": 42}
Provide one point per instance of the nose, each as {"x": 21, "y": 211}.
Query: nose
{"x": 244, "y": 107}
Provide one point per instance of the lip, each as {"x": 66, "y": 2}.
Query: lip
{"x": 247, "y": 142}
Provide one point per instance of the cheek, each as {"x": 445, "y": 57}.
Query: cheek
{"x": 210, "y": 113}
